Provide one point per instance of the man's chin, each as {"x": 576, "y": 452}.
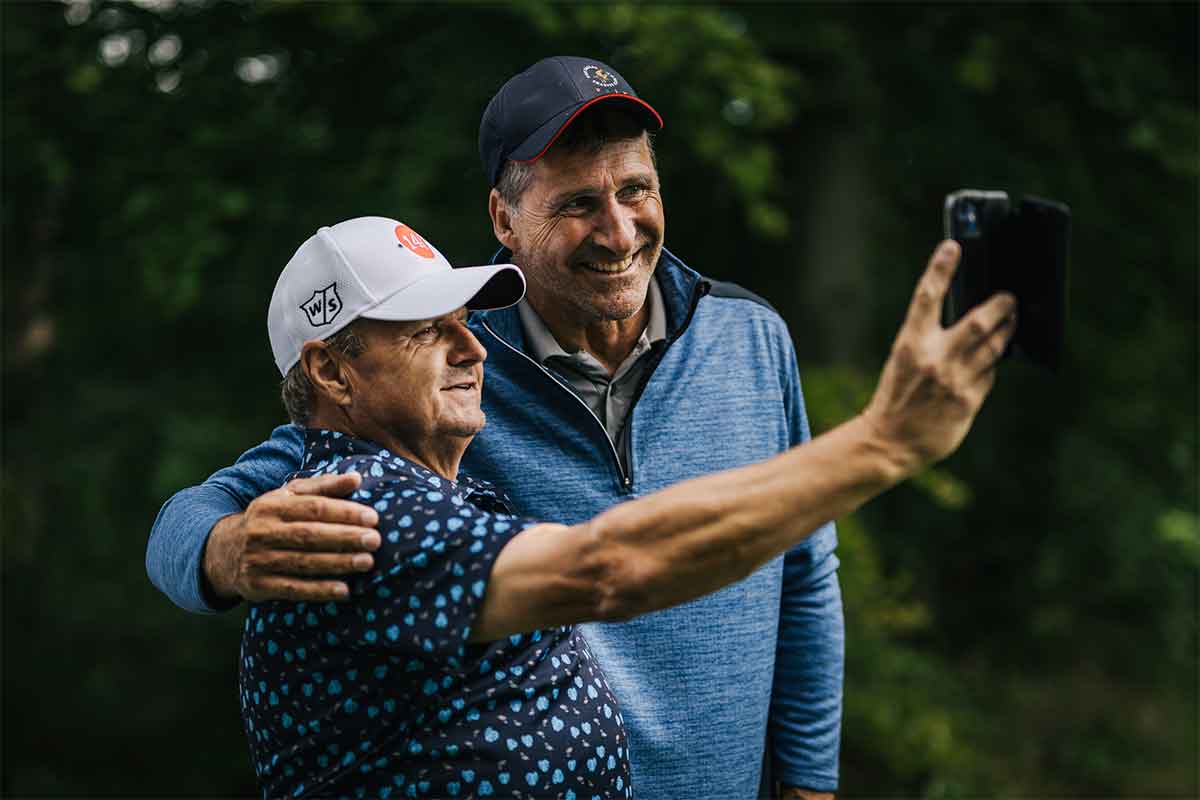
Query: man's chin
{"x": 464, "y": 428}
{"x": 626, "y": 298}
{"x": 621, "y": 305}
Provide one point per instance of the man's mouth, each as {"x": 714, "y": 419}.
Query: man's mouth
{"x": 466, "y": 386}
{"x": 610, "y": 267}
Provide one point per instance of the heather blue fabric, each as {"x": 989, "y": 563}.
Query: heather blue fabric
{"x": 699, "y": 684}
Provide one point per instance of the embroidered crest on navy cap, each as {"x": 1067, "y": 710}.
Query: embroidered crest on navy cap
{"x": 323, "y": 306}
{"x": 600, "y": 76}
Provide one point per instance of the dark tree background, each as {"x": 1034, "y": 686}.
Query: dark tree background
{"x": 1022, "y": 619}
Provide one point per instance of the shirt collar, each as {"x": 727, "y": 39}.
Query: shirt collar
{"x": 323, "y": 448}
{"x": 544, "y": 346}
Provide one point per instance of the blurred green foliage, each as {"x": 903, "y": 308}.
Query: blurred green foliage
{"x": 1022, "y": 619}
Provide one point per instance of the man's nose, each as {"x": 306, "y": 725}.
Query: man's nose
{"x": 467, "y": 351}
{"x": 616, "y": 228}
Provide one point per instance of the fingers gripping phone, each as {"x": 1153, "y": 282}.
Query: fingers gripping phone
{"x": 1022, "y": 250}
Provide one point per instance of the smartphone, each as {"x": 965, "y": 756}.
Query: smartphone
{"x": 1022, "y": 250}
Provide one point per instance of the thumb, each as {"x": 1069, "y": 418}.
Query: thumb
{"x": 925, "y": 309}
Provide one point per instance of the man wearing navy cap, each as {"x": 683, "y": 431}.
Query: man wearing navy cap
{"x": 622, "y": 372}
{"x": 686, "y": 376}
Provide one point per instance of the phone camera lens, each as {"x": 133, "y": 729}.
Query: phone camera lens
{"x": 968, "y": 219}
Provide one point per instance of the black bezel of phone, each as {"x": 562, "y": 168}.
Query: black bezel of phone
{"x": 1022, "y": 250}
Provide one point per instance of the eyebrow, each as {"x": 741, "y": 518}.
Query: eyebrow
{"x": 410, "y": 326}
{"x": 646, "y": 178}
{"x": 419, "y": 324}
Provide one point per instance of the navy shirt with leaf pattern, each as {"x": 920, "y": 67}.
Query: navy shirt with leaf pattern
{"x": 383, "y": 696}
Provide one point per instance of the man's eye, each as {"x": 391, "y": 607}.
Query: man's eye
{"x": 427, "y": 332}
{"x": 576, "y": 206}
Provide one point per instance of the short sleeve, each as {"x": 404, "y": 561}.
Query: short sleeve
{"x": 431, "y": 570}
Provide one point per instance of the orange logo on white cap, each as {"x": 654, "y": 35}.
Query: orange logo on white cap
{"x": 411, "y": 240}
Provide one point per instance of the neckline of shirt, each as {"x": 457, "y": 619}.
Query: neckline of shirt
{"x": 544, "y": 346}
{"x": 345, "y": 445}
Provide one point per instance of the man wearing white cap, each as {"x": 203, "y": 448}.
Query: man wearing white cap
{"x": 455, "y": 669}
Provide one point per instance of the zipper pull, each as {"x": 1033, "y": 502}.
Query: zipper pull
{"x": 627, "y": 483}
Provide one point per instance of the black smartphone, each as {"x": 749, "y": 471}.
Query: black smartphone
{"x": 1022, "y": 250}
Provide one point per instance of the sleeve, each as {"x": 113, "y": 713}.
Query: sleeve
{"x": 175, "y": 551}
{"x": 431, "y": 572}
{"x": 806, "y": 699}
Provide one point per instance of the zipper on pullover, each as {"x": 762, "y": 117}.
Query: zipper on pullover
{"x": 625, "y": 475}
{"x": 625, "y": 480}
{"x": 702, "y": 288}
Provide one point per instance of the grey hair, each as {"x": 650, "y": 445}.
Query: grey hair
{"x": 515, "y": 178}
{"x": 589, "y": 134}
{"x": 297, "y": 391}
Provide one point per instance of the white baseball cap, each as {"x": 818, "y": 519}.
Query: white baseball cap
{"x": 377, "y": 268}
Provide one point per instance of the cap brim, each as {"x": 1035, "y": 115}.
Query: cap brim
{"x": 538, "y": 142}
{"x": 477, "y": 288}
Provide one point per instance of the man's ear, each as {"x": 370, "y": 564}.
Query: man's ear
{"x": 327, "y": 373}
{"x": 502, "y": 219}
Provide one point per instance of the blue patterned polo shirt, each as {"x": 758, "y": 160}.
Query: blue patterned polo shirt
{"x": 383, "y": 696}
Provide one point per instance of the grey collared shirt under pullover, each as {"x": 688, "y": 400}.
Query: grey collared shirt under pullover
{"x": 609, "y": 397}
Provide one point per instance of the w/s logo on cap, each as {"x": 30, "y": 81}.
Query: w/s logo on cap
{"x": 323, "y": 306}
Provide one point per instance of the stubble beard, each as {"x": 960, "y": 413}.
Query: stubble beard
{"x": 553, "y": 285}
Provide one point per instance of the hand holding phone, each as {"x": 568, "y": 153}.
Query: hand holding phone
{"x": 1022, "y": 250}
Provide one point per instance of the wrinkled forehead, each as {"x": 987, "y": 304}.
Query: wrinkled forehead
{"x": 613, "y": 162}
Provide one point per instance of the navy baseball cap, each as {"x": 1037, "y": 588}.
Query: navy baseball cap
{"x": 533, "y": 108}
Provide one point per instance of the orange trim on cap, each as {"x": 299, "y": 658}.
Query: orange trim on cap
{"x": 584, "y": 107}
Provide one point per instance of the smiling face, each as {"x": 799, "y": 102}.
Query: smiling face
{"x": 416, "y": 387}
{"x": 589, "y": 230}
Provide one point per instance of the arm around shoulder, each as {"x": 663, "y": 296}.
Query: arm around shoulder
{"x": 177, "y": 543}
{"x": 176, "y": 547}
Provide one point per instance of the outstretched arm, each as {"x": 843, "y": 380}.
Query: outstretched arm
{"x": 697, "y": 536}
